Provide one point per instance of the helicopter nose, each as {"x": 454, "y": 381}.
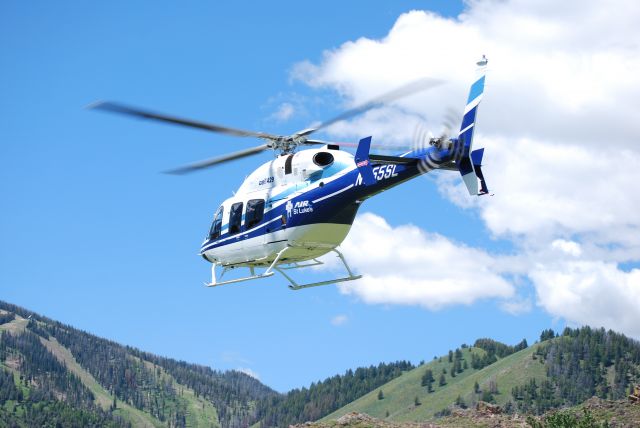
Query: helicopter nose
{"x": 204, "y": 256}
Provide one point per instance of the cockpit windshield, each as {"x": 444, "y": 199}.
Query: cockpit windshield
{"x": 216, "y": 226}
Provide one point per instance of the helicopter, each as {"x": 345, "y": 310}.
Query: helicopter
{"x": 300, "y": 206}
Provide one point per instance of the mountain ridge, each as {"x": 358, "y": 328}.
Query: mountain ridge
{"x": 139, "y": 388}
{"x": 559, "y": 371}
{"x": 50, "y": 371}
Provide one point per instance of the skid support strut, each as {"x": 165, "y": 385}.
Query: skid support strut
{"x": 295, "y": 286}
{"x": 267, "y": 273}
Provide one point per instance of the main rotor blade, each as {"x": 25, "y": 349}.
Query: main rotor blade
{"x": 145, "y": 114}
{"x": 401, "y": 92}
{"x": 218, "y": 160}
{"x": 344, "y": 144}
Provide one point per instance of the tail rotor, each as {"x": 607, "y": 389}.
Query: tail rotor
{"x": 454, "y": 149}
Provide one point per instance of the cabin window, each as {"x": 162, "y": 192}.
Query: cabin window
{"x": 255, "y": 212}
{"x": 216, "y": 226}
{"x": 235, "y": 218}
{"x": 287, "y": 164}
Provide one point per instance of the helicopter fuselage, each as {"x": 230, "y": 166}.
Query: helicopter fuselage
{"x": 308, "y": 200}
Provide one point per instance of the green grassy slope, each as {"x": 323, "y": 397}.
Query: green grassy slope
{"x": 400, "y": 393}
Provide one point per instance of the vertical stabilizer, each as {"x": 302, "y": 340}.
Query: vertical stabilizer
{"x": 465, "y": 137}
{"x": 363, "y": 163}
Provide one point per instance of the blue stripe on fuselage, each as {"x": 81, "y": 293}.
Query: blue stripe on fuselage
{"x": 328, "y": 206}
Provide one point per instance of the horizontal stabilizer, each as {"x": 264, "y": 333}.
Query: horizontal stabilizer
{"x": 468, "y": 175}
{"x": 476, "y": 157}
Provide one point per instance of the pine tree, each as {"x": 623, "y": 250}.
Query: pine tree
{"x": 380, "y": 395}
{"x": 488, "y": 397}
{"x": 416, "y": 401}
{"x": 547, "y": 334}
{"x": 427, "y": 380}
{"x": 442, "y": 381}
{"x": 476, "y": 387}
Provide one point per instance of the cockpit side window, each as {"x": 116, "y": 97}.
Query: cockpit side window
{"x": 255, "y": 212}
{"x": 235, "y": 218}
{"x": 216, "y": 226}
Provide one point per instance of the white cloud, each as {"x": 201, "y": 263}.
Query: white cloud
{"x": 339, "y": 320}
{"x": 405, "y": 265}
{"x": 545, "y": 190}
{"x": 284, "y": 112}
{"x": 553, "y": 78}
{"x": 591, "y": 292}
{"x": 567, "y": 247}
{"x": 249, "y": 372}
{"x": 559, "y": 122}
{"x": 517, "y": 306}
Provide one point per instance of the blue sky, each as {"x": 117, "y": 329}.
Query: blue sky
{"x": 95, "y": 236}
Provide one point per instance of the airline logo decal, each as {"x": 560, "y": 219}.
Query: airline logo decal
{"x": 300, "y": 207}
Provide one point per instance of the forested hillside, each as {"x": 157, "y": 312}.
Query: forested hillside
{"x": 120, "y": 385}
{"x": 580, "y": 364}
{"x": 32, "y": 395}
{"x": 322, "y": 398}
{"x": 559, "y": 371}
{"x": 53, "y": 374}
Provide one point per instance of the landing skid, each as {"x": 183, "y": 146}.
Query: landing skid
{"x": 274, "y": 266}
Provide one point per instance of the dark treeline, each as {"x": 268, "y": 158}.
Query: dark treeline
{"x": 35, "y": 327}
{"x": 38, "y": 366}
{"x": 499, "y": 349}
{"x": 128, "y": 378}
{"x": 579, "y": 364}
{"x": 233, "y": 393}
{"x": 322, "y": 398}
{"x": 8, "y": 388}
{"x": 6, "y": 317}
{"x": 38, "y": 414}
{"x": 494, "y": 350}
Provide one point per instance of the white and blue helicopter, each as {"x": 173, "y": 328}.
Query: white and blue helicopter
{"x": 301, "y": 205}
